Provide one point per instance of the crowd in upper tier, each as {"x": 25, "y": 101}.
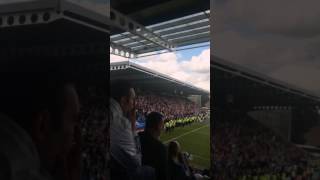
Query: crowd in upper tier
{"x": 171, "y": 107}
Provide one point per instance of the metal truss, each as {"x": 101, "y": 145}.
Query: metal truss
{"x": 128, "y": 25}
{"x": 184, "y": 31}
{"x": 136, "y": 38}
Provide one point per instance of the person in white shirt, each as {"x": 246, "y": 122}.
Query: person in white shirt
{"x": 124, "y": 143}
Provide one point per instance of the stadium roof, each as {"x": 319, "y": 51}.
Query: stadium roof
{"x": 146, "y": 26}
{"x": 21, "y": 13}
{"x": 149, "y": 12}
{"x": 253, "y": 88}
{"x": 53, "y": 27}
{"x": 152, "y": 80}
{"x": 157, "y": 25}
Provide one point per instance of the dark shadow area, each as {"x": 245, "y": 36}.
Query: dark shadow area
{"x": 53, "y": 96}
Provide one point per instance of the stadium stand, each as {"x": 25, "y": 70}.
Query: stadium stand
{"x": 162, "y": 93}
{"x": 242, "y": 146}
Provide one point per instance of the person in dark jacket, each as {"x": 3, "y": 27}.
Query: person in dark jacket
{"x": 154, "y": 152}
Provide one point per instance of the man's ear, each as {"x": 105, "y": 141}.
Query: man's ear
{"x": 41, "y": 125}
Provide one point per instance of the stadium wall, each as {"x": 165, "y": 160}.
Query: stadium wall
{"x": 277, "y": 120}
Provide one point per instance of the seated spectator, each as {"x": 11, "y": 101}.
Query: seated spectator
{"x": 154, "y": 152}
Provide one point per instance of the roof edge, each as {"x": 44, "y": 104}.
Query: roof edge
{"x": 129, "y": 64}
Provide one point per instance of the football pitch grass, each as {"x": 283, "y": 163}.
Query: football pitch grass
{"x": 194, "y": 139}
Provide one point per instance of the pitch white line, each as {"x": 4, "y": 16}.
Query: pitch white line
{"x": 184, "y": 134}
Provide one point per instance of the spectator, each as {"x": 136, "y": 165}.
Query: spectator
{"x": 176, "y": 167}
{"x": 154, "y": 153}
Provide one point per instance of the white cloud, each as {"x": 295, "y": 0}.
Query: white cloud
{"x": 195, "y": 71}
{"x": 200, "y": 63}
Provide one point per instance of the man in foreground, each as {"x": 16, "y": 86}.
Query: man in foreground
{"x": 124, "y": 147}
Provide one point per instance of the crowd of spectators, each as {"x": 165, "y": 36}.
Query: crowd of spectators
{"x": 245, "y": 149}
{"x": 172, "y": 107}
{"x": 177, "y": 111}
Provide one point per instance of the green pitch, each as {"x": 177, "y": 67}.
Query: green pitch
{"x": 194, "y": 139}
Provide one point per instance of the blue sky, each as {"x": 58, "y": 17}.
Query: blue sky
{"x": 187, "y": 54}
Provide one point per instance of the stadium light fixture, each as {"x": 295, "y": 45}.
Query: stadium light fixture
{"x": 120, "y": 50}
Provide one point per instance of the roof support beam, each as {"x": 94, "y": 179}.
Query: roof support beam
{"x": 175, "y": 34}
{"x": 126, "y": 24}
